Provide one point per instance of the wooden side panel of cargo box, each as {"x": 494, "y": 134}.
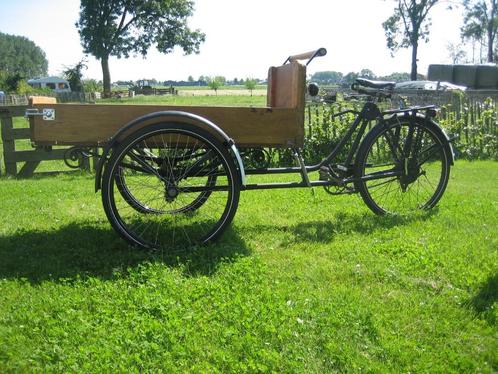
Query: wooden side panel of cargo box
{"x": 83, "y": 124}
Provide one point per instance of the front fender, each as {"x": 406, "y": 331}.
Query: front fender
{"x": 168, "y": 116}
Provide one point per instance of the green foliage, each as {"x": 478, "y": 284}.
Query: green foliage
{"x": 474, "y": 122}
{"x": 481, "y": 23}
{"x": 16, "y": 84}
{"x": 301, "y": 283}
{"x": 327, "y": 77}
{"x": 250, "y": 84}
{"x": 21, "y": 56}
{"x": 215, "y": 83}
{"x": 408, "y": 25}
{"x": 91, "y": 85}
{"x": 74, "y": 76}
{"x": 348, "y": 79}
{"x": 123, "y": 27}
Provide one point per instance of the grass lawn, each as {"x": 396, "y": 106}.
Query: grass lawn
{"x": 299, "y": 283}
{"x": 186, "y": 99}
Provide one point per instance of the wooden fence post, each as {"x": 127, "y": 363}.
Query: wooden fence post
{"x": 9, "y": 145}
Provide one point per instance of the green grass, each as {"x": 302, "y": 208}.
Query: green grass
{"x": 299, "y": 283}
{"x": 200, "y": 100}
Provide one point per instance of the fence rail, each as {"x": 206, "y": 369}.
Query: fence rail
{"x": 62, "y": 97}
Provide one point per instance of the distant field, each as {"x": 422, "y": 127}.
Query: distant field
{"x": 194, "y": 98}
{"x": 224, "y": 88}
{"x": 221, "y": 92}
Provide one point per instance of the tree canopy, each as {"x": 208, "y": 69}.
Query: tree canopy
{"x": 408, "y": 25}
{"x": 21, "y": 56}
{"x": 481, "y": 23}
{"x": 123, "y": 27}
{"x": 216, "y": 82}
{"x": 74, "y": 75}
{"x": 327, "y": 77}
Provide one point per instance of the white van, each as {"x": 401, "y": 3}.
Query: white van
{"x": 56, "y": 84}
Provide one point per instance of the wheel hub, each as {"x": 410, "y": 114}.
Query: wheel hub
{"x": 171, "y": 193}
{"x": 411, "y": 171}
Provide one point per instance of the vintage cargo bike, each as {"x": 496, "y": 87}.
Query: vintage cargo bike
{"x": 171, "y": 176}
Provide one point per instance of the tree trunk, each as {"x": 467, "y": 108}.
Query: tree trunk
{"x": 490, "y": 45}
{"x": 413, "y": 74}
{"x": 106, "y": 76}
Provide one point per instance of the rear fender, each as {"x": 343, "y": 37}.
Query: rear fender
{"x": 438, "y": 130}
{"x": 168, "y": 116}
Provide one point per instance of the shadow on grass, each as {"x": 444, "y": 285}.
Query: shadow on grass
{"x": 80, "y": 251}
{"x": 483, "y": 301}
{"x": 324, "y": 231}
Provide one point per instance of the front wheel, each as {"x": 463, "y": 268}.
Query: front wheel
{"x": 402, "y": 165}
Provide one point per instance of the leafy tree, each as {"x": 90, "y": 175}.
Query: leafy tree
{"x": 250, "y": 84}
{"x": 216, "y": 82}
{"x": 74, "y": 76}
{"x": 11, "y": 82}
{"x": 91, "y": 85}
{"x": 327, "y": 77}
{"x": 407, "y": 26}
{"x": 123, "y": 27}
{"x": 20, "y": 55}
{"x": 367, "y": 73}
{"x": 348, "y": 79}
{"x": 481, "y": 23}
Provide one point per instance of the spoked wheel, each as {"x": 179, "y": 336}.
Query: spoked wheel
{"x": 170, "y": 186}
{"x": 127, "y": 175}
{"x": 403, "y": 165}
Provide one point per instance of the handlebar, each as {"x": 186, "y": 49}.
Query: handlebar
{"x": 307, "y": 56}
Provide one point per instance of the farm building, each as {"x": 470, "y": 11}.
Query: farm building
{"x": 54, "y": 83}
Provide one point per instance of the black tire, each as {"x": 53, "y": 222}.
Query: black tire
{"x": 169, "y": 186}
{"x": 402, "y": 166}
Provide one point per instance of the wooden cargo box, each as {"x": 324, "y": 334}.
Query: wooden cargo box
{"x": 280, "y": 124}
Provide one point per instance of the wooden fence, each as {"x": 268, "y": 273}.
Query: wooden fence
{"x": 62, "y": 97}
{"x": 32, "y": 158}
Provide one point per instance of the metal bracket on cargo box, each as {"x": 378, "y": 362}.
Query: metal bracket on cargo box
{"x": 48, "y": 114}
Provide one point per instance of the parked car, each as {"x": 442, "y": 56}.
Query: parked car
{"x": 428, "y": 86}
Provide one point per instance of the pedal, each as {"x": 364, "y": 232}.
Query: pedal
{"x": 329, "y": 175}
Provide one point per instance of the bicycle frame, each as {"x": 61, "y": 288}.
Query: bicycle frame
{"x": 370, "y": 112}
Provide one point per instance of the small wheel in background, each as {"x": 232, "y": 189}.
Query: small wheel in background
{"x": 170, "y": 186}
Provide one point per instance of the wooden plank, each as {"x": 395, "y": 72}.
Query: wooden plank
{"x": 28, "y": 169}
{"x": 13, "y": 111}
{"x": 9, "y": 146}
{"x": 22, "y": 133}
{"x": 34, "y": 100}
{"x": 286, "y": 85}
{"x": 35, "y": 155}
{"x": 93, "y": 125}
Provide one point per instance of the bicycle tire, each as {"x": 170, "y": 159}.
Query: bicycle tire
{"x": 402, "y": 166}
{"x": 181, "y": 162}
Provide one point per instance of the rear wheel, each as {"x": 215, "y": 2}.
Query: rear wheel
{"x": 169, "y": 186}
{"x": 402, "y": 166}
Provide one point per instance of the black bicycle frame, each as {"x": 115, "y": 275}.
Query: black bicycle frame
{"x": 369, "y": 112}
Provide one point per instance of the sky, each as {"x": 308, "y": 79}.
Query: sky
{"x": 243, "y": 38}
